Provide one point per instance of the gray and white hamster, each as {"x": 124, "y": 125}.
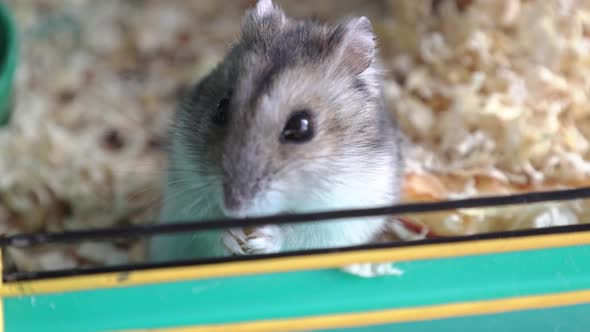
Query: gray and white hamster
{"x": 293, "y": 120}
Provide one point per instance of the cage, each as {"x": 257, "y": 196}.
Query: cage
{"x": 532, "y": 280}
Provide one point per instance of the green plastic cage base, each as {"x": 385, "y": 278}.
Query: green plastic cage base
{"x": 209, "y": 304}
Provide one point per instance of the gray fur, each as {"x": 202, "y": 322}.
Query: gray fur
{"x": 280, "y": 65}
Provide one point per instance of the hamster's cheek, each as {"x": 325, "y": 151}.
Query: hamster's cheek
{"x": 270, "y": 202}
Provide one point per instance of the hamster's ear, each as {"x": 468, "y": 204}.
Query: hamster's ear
{"x": 264, "y": 7}
{"x": 264, "y": 18}
{"x": 357, "y": 47}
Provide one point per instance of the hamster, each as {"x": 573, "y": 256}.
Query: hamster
{"x": 292, "y": 120}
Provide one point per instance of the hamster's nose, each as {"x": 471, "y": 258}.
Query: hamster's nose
{"x": 232, "y": 201}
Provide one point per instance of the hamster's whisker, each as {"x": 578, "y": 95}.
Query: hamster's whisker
{"x": 195, "y": 188}
{"x": 276, "y": 189}
{"x": 198, "y": 186}
{"x": 196, "y": 202}
{"x": 139, "y": 193}
{"x": 201, "y": 174}
{"x": 288, "y": 167}
{"x": 162, "y": 199}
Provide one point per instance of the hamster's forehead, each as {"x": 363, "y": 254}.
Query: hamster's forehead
{"x": 263, "y": 60}
{"x": 293, "y": 41}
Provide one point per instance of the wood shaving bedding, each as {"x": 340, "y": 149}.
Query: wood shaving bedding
{"x": 494, "y": 96}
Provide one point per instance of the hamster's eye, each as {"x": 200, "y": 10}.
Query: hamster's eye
{"x": 299, "y": 128}
{"x": 220, "y": 116}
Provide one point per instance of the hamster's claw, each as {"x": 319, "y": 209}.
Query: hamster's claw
{"x": 371, "y": 270}
{"x": 264, "y": 240}
{"x": 233, "y": 241}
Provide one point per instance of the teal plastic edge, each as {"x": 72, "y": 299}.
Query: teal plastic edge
{"x": 562, "y": 319}
{"x": 301, "y": 294}
{"x": 8, "y": 62}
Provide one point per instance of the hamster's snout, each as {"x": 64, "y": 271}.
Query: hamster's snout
{"x": 240, "y": 199}
{"x": 233, "y": 201}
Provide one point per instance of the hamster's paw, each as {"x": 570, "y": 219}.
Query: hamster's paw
{"x": 371, "y": 270}
{"x": 263, "y": 240}
{"x": 233, "y": 240}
